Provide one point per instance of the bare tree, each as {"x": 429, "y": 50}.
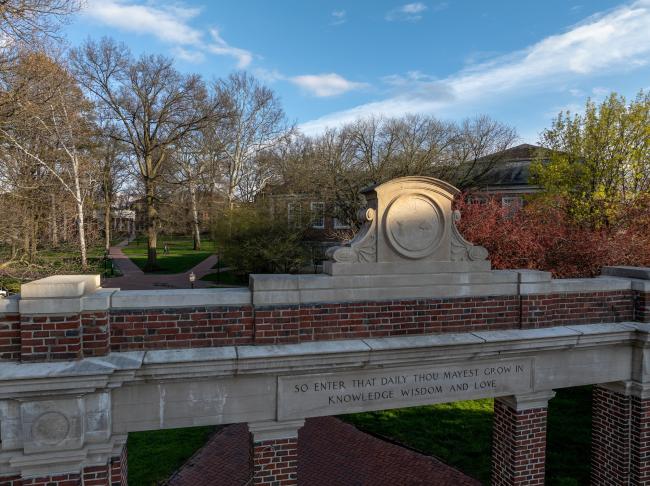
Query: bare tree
{"x": 191, "y": 163}
{"x": 111, "y": 160}
{"x": 21, "y": 21}
{"x": 256, "y": 125}
{"x": 476, "y": 149}
{"x": 50, "y": 127}
{"x": 152, "y": 108}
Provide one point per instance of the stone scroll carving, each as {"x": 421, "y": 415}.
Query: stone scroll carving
{"x": 408, "y": 220}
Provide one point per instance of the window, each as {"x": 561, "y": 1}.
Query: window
{"x": 339, "y": 224}
{"x": 512, "y": 203}
{"x": 477, "y": 200}
{"x": 293, "y": 213}
{"x": 318, "y": 215}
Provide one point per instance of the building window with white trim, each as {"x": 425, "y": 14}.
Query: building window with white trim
{"x": 317, "y": 215}
{"x": 340, "y": 224}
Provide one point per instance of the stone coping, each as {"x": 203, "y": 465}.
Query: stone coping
{"x": 265, "y": 358}
{"x": 9, "y": 305}
{"x": 60, "y": 286}
{"x": 142, "y": 299}
{"x": 280, "y": 289}
{"x": 274, "y": 290}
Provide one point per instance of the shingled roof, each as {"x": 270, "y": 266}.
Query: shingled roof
{"x": 513, "y": 168}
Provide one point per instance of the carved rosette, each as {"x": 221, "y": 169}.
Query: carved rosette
{"x": 50, "y": 428}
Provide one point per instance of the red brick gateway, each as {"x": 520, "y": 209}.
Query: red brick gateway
{"x": 408, "y": 313}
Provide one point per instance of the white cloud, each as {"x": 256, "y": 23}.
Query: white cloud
{"x": 169, "y": 23}
{"x": 410, "y": 11}
{"x": 221, "y": 47}
{"x": 338, "y": 17}
{"x": 188, "y": 55}
{"x": 323, "y": 85}
{"x": 615, "y": 41}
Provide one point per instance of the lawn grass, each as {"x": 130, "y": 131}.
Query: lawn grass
{"x": 155, "y": 455}
{"x": 51, "y": 261}
{"x": 227, "y": 278}
{"x": 181, "y": 256}
{"x": 460, "y": 434}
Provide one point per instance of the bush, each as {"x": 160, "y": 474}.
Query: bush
{"x": 541, "y": 236}
{"x": 258, "y": 243}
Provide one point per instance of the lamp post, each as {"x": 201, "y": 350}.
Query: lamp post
{"x": 192, "y": 279}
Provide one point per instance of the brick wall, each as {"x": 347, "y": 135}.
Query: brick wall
{"x": 610, "y": 440}
{"x": 113, "y": 474}
{"x": 275, "y": 462}
{"x": 49, "y": 338}
{"x": 43, "y": 338}
{"x": 95, "y": 333}
{"x": 642, "y": 306}
{"x": 518, "y": 446}
{"x": 620, "y": 439}
{"x": 318, "y": 322}
{"x": 576, "y": 308}
{"x": 9, "y": 337}
{"x": 120, "y": 469}
{"x": 180, "y": 328}
{"x": 70, "y": 479}
{"x": 97, "y": 476}
{"x": 640, "y": 443}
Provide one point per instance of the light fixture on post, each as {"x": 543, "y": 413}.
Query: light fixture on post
{"x": 192, "y": 279}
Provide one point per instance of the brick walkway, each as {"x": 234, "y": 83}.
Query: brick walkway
{"x": 135, "y": 279}
{"x": 331, "y": 452}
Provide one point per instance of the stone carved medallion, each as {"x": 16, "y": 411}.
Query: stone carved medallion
{"x": 408, "y": 222}
{"x": 414, "y": 225}
{"x": 50, "y": 428}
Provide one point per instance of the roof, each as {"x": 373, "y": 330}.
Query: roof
{"x": 513, "y": 166}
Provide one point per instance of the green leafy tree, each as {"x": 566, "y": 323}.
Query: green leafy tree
{"x": 598, "y": 162}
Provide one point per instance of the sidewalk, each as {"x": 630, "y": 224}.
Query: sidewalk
{"x": 331, "y": 453}
{"x": 135, "y": 279}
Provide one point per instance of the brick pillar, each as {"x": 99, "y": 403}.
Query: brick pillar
{"x": 519, "y": 440}
{"x": 63, "y": 317}
{"x": 642, "y": 303}
{"x": 620, "y": 435}
{"x": 275, "y": 452}
{"x": 112, "y": 473}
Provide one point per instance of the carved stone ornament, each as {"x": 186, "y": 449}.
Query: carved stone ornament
{"x": 50, "y": 428}
{"x": 408, "y": 220}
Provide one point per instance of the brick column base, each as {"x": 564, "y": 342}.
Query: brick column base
{"x": 519, "y": 440}
{"x": 620, "y": 436}
{"x": 112, "y": 474}
{"x": 275, "y": 453}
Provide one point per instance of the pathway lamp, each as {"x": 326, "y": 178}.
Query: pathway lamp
{"x": 192, "y": 279}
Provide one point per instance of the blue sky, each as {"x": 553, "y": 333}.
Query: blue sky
{"x": 333, "y": 61}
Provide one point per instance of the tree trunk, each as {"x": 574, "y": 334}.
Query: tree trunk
{"x": 82, "y": 234}
{"x": 195, "y": 217}
{"x": 54, "y": 227}
{"x": 107, "y": 224}
{"x": 152, "y": 230}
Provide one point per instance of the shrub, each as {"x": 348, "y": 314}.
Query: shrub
{"x": 541, "y": 236}
{"x": 253, "y": 242}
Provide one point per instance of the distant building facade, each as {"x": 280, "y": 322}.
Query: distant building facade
{"x": 509, "y": 180}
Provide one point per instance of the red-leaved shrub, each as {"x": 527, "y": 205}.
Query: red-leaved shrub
{"x": 540, "y": 236}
